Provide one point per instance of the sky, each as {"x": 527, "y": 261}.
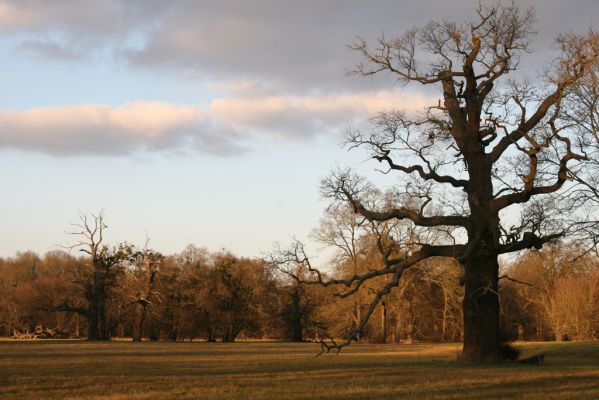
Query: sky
{"x": 198, "y": 122}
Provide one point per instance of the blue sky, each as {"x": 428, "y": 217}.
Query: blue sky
{"x": 195, "y": 121}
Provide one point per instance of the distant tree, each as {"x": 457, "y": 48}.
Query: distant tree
{"x": 556, "y": 293}
{"x": 488, "y": 145}
{"x": 344, "y": 231}
{"x": 236, "y": 288}
{"x": 14, "y": 273}
{"x": 197, "y": 296}
{"x": 144, "y": 272}
{"x": 301, "y": 310}
{"x": 170, "y": 317}
{"x": 98, "y": 274}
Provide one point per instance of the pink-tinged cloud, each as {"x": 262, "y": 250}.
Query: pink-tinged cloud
{"x": 14, "y": 17}
{"x": 227, "y": 126}
{"x": 99, "y": 129}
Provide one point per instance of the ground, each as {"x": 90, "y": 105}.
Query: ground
{"x": 125, "y": 370}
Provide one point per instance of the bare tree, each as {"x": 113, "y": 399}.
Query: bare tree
{"x": 146, "y": 264}
{"x": 344, "y": 231}
{"x": 561, "y": 290}
{"x": 488, "y": 148}
{"x": 99, "y": 271}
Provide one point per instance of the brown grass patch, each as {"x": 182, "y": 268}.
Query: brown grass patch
{"x": 125, "y": 370}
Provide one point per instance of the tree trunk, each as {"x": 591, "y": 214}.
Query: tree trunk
{"x": 140, "y": 312}
{"x": 297, "y": 334}
{"x": 444, "y": 323}
{"x": 103, "y": 328}
{"x": 92, "y": 314}
{"x": 384, "y": 324}
{"x": 481, "y": 275}
{"x": 481, "y": 310}
{"x": 229, "y": 336}
{"x": 77, "y": 333}
{"x": 92, "y": 323}
{"x": 97, "y": 328}
{"x": 357, "y": 317}
{"x": 397, "y": 328}
{"x": 210, "y": 337}
{"x": 410, "y": 332}
{"x": 141, "y": 306}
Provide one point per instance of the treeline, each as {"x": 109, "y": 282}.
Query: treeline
{"x": 552, "y": 294}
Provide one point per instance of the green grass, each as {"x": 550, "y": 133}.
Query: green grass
{"x": 125, "y": 370}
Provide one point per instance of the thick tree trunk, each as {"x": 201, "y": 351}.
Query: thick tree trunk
{"x": 92, "y": 323}
{"x": 103, "y": 328}
{"x": 97, "y": 328}
{"x": 297, "y": 333}
{"x": 481, "y": 310}
{"x": 481, "y": 275}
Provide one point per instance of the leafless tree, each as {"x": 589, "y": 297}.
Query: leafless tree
{"x": 488, "y": 148}
{"x": 146, "y": 264}
{"x": 344, "y": 231}
{"x": 99, "y": 271}
{"x": 561, "y": 290}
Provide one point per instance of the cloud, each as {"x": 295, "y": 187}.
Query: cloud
{"x": 66, "y": 30}
{"x": 14, "y": 17}
{"x": 225, "y": 127}
{"x": 107, "y": 130}
{"x": 295, "y": 117}
{"x": 48, "y": 50}
{"x": 293, "y": 45}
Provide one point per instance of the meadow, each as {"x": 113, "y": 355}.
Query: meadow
{"x": 273, "y": 370}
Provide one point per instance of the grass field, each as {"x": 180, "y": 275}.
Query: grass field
{"x": 125, "y": 370}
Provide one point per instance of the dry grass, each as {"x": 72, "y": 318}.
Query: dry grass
{"x": 124, "y": 370}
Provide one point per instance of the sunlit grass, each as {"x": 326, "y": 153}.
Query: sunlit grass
{"x": 125, "y": 370}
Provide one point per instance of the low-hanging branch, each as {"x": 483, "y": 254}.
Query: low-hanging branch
{"x": 297, "y": 258}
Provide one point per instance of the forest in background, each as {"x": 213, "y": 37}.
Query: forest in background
{"x": 548, "y": 294}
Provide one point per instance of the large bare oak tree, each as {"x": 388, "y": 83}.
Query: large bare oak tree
{"x": 480, "y": 171}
